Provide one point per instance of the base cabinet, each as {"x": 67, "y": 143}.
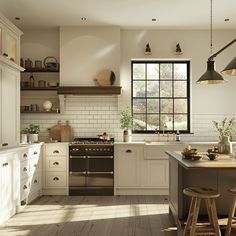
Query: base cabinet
{"x": 55, "y": 169}
{"x": 134, "y": 174}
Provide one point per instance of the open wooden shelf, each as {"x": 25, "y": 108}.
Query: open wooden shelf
{"x": 36, "y": 112}
{"x": 39, "y": 88}
{"x": 41, "y": 70}
{"x": 90, "y": 90}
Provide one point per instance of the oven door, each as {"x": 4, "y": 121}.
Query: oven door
{"x": 78, "y": 164}
{"x": 100, "y": 164}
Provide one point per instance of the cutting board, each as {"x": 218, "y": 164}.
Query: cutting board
{"x": 55, "y": 131}
{"x": 106, "y": 78}
{"x": 66, "y": 132}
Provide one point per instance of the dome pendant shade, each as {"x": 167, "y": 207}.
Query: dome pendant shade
{"x": 211, "y": 76}
{"x": 230, "y": 69}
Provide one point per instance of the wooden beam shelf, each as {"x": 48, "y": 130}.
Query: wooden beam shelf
{"x": 30, "y": 70}
{"x": 36, "y": 112}
{"x": 89, "y": 90}
{"x": 39, "y": 88}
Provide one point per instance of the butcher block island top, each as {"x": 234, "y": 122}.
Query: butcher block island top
{"x": 221, "y": 162}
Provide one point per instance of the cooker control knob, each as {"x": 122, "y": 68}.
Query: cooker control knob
{"x": 86, "y": 149}
{"x": 100, "y": 149}
{"x": 90, "y": 149}
{"x": 77, "y": 149}
{"x": 94, "y": 149}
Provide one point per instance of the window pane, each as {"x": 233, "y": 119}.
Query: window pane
{"x": 139, "y": 122}
{"x": 138, "y": 71}
{"x": 180, "y": 71}
{"x": 180, "y": 122}
{"x": 153, "y": 88}
{"x": 166, "y": 106}
{"x": 139, "y": 88}
{"x": 166, "y": 88}
{"x": 166, "y": 122}
{"x": 180, "y": 106}
{"x": 153, "y": 71}
{"x": 139, "y": 105}
{"x": 166, "y": 71}
{"x": 180, "y": 89}
{"x": 152, "y": 105}
{"x": 153, "y": 122}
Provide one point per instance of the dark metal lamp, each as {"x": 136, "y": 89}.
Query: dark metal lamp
{"x": 213, "y": 77}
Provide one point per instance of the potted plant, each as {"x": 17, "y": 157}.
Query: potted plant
{"x": 226, "y": 128}
{"x": 126, "y": 124}
{"x": 33, "y": 131}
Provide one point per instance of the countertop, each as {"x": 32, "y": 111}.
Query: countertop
{"x": 222, "y": 161}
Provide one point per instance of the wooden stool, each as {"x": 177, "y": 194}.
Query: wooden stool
{"x": 209, "y": 195}
{"x": 231, "y": 216}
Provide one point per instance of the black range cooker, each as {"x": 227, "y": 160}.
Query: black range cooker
{"x": 91, "y": 167}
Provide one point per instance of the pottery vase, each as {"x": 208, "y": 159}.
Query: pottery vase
{"x": 127, "y": 136}
{"x": 224, "y": 145}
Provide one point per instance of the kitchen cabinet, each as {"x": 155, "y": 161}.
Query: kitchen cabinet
{"x": 10, "y": 117}
{"x": 9, "y": 40}
{"x": 135, "y": 174}
{"x": 31, "y": 174}
{"x": 55, "y": 171}
{"x": 127, "y": 165}
{"x": 9, "y": 191}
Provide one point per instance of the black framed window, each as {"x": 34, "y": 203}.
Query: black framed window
{"x": 160, "y": 96}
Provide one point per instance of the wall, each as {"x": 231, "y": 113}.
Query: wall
{"x": 85, "y": 51}
{"x": 90, "y": 116}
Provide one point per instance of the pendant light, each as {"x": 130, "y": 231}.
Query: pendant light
{"x": 211, "y": 76}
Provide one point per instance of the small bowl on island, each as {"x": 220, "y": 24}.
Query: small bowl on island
{"x": 212, "y": 156}
{"x": 190, "y": 153}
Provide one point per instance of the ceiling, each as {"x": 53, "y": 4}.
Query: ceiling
{"x": 128, "y": 14}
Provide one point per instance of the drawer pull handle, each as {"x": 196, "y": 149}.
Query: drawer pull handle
{"x": 5, "y": 54}
{"x": 5, "y": 144}
{"x": 55, "y": 178}
{"x": 5, "y": 164}
{"x": 35, "y": 152}
{"x": 25, "y": 155}
{"x": 25, "y": 187}
{"x": 35, "y": 181}
{"x": 128, "y": 151}
{"x": 25, "y": 169}
{"x": 55, "y": 163}
{"x": 55, "y": 151}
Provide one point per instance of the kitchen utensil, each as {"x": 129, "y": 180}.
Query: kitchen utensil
{"x": 50, "y": 62}
{"x": 55, "y": 131}
{"x": 42, "y": 83}
{"x": 105, "y": 78}
{"x": 38, "y": 64}
{"x": 66, "y": 132}
{"x": 28, "y": 64}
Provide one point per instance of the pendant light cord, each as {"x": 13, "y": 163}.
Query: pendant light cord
{"x": 211, "y": 44}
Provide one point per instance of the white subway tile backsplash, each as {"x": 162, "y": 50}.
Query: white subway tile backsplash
{"x": 90, "y": 116}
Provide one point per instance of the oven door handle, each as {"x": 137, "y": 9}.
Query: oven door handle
{"x": 101, "y": 172}
{"x": 100, "y": 157}
{"x": 78, "y": 172}
{"x": 77, "y": 157}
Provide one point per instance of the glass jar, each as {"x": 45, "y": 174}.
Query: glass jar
{"x": 224, "y": 145}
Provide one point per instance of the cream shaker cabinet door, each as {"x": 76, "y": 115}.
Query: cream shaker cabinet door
{"x": 10, "y": 107}
{"x": 127, "y": 166}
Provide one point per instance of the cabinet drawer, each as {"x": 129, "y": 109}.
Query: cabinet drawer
{"x": 56, "y": 164}
{"x": 56, "y": 150}
{"x": 56, "y": 179}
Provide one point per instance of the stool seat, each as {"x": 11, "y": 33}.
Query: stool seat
{"x": 232, "y": 190}
{"x": 201, "y": 192}
{"x": 192, "y": 226}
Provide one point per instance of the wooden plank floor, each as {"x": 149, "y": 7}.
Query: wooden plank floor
{"x": 93, "y": 216}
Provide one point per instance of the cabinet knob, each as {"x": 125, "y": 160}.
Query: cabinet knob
{"x": 25, "y": 155}
{"x": 55, "y": 163}
{"x": 25, "y": 187}
{"x": 5, "y": 54}
{"x": 55, "y": 151}
{"x": 25, "y": 169}
{"x": 35, "y": 152}
{"x": 55, "y": 178}
{"x": 128, "y": 151}
{"x": 5, "y": 144}
{"x": 35, "y": 165}
{"x": 35, "y": 181}
{"x": 5, "y": 164}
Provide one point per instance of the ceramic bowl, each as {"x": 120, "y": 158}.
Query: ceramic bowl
{"x": 211, "y": 156}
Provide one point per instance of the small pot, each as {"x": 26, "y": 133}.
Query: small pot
{"x": 33, "y": 138}
{"x": 127, "y": 136}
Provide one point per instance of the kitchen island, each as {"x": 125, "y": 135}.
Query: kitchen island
{"x": 219, "y": 174}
